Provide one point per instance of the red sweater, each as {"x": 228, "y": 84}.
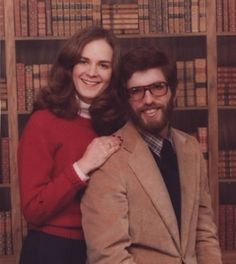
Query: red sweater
{"x": 50, "y": 188}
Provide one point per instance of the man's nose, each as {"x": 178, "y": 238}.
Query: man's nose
{"x": 148, "y": 97}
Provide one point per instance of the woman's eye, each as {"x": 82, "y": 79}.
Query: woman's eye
{"x": 105, "y": 66}
{"x": 82, "y": 61}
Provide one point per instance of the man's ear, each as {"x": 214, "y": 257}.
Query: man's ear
{"x": 175, "y": 97}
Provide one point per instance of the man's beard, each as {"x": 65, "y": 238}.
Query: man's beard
{"x": 156, "y": 126}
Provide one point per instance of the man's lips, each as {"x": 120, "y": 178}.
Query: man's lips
{"x": 150, "y": 111}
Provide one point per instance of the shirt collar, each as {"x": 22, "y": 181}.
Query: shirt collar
{"x": 154, "y": 142}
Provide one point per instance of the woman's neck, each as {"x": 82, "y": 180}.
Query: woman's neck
{"x": 84, "y": 109}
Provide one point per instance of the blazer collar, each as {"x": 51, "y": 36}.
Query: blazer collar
{"x": 188, "y": 161}
{"x": 146, "y": 170}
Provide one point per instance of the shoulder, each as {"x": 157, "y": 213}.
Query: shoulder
{"x": 183, "y": 136}
{"x": 184, "y": 140}
{"x": 42, "y": 116}
{"x": 40, "y": 121}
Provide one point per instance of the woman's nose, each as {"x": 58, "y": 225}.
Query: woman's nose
{"x": 92, "y": 70}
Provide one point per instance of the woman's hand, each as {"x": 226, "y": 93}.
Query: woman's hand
{"x": 98, "y": 151}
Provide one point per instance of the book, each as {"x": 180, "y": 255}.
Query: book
{"x": 20, "y": 79}
{"x": 17, "y": 18}
{"x": 24, "y": 18}
{"x": 33, "y": 18}
{"x": 195, "y": 15}
{"x": 2, "y": 19}
{"x": 5, "y": 160}
{"x": 181, "y": 89}
{"x": 41, "y": 7}
{"x": 2, "y": 234}
{"x": 200, "y": 81}
{"x": 8, "y": 233}
{"x": 219, "y": 15}
{"x": 189, "y": 83}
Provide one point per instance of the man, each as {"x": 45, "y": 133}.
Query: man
{"x": 141, "y": 206}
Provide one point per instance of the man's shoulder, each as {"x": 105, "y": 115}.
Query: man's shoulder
{"x": 183, "y": 136}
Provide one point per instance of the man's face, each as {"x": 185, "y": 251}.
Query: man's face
{"x": 151, "y": 113}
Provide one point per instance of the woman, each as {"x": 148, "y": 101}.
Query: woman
{"x": 59, "y": 147}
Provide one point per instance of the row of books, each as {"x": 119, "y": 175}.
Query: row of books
{"x": 191, "y": 90}
{"x": 6, "y": 246}
{"x": 226, "y": 15}
{"x": 3, "y": 94}
{"x": 30, "y": 79}
{"x": 54, "y": 17}
{"x": 227, "y": 226}
{"x": 64, "y": 17}
{"x": 4, "y": 160}
{"x": 227, "y": 164}
{"x": 2, "y": 19}
{"x": 175, "y": 16}
{"x": 226, "y": 85}
{"x": 192, "y": 86}
{"x": 160, "y": 16}
{"x": 125, "y": 18}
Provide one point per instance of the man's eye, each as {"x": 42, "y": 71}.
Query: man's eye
{"x": 159, "y": 86}
{"x": 136, "y": 90}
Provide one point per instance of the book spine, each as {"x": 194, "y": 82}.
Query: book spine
{"x": 66, "y": 17}
{"x": 200, "y": 81}
{"x": 8, "y": 234}
{"x": 165, "y": 22}
{"x": 3, "y": 95}
{"x": 96, "y": 12}
{"x": 202, "y": 15}
{"x": 24, "y": 18}
{"x": 54, "y": 17}
{"x": 189, "y": 82}
{"x": 187, "y": 16}
{"x": 29, "y": 87}
{"x": 225, "y": 16}
{"x": 219, "y": 16}
{"x": 20, "y": 78}
{"x": 2, "y": 19}
{"x": 181, "y": 89}
{"x": 48, "y": 10}
{"x": 33, "y": 18}
{"x": 2, "y": 233}
{"x": 195, "y": 16}
{"x": 17, "y": 17}
{"x": 5, "y": 160}
{"x": 41, "y": 18}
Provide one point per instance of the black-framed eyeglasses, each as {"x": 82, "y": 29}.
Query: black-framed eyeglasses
{"x": 157, "y": 89}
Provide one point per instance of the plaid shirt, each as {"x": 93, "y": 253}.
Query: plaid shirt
{"x": 155, "y": 143}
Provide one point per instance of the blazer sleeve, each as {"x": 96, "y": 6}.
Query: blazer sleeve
{"x": 207, "y": 245}
{"x": 105, "y": 220}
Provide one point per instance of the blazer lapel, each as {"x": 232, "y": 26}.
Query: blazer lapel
{"x": 187, "y": 161}
{"x": 144, "y": 166}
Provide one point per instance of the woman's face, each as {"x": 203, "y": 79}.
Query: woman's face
{"x": 92, "y": 74}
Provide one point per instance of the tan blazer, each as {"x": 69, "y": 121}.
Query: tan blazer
{"x": 128, "y": 216}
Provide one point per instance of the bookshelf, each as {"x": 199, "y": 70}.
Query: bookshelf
{"x": 192, "y": 31}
